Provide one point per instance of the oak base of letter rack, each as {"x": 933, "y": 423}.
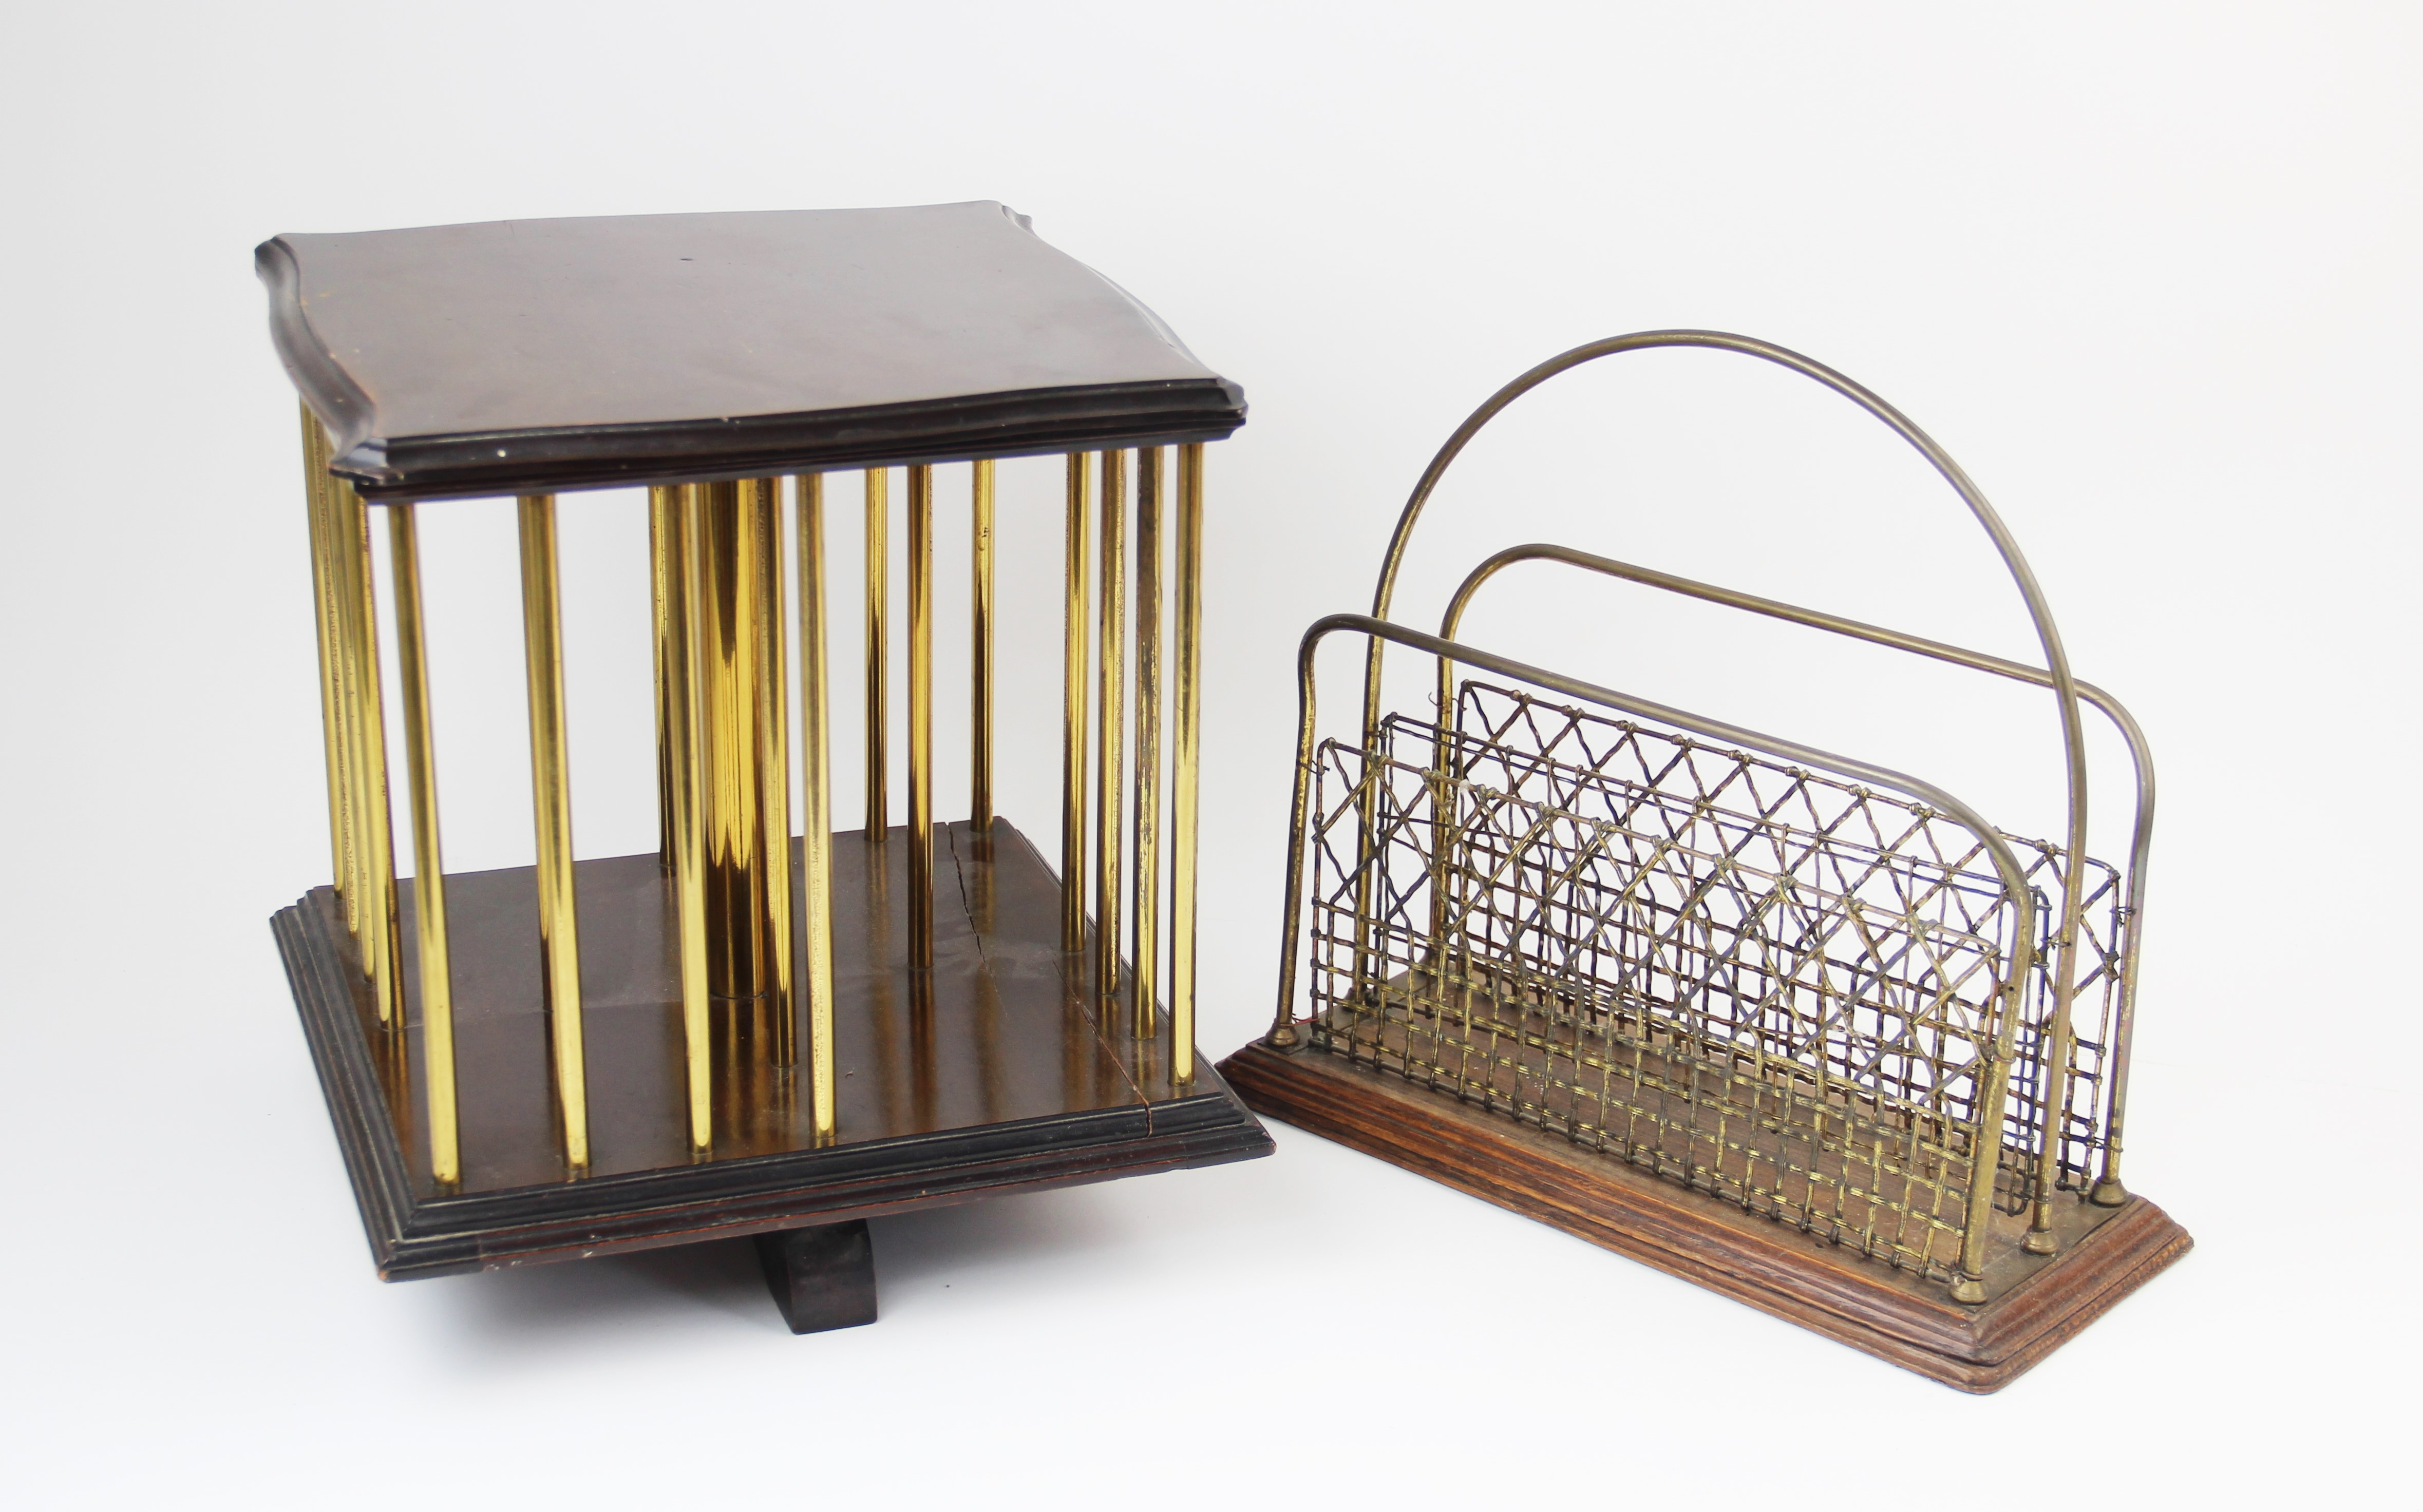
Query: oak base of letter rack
{"x": 2033, "y": 1306}
{"x": 997, "y": 1071}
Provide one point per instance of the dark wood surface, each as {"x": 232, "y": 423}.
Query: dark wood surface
{"x": 822, "y": 1278}
{"x": 2033, "y": 1305}
{"x": 995, "y": 1071}
{"x": 538, "y": 355}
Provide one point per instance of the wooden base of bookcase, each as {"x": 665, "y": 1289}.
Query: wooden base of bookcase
{"x": 998, "y": 1070}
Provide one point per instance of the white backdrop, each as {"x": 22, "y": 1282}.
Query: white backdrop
{"x": 2148, "y": 270}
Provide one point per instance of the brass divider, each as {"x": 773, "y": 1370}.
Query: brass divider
{"x": 551, "y": 800}
{"x": 717, "y": 588}
{"x": 428, "y": 862}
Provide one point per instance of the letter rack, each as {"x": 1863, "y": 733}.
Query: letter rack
{"x": 1796, "y": 1028}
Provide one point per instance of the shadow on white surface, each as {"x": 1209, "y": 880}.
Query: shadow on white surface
{"x": 683, "y": 1286}
{"x": 718, "y": 1284}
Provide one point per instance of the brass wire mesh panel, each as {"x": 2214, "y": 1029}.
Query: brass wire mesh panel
{"x": 1765, "y": 983}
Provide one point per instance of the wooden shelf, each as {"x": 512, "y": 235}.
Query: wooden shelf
{"x": 997, "y": 1071}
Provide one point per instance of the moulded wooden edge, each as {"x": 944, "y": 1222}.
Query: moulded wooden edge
{"x": 561, "y": 459}
{"x": 1793, "y": 1276}
{"x": 412, "y": 1238}
{"x": 1042, "y": 422}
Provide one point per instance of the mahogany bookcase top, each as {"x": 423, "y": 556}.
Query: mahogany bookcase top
{"x": 541, "y": 355}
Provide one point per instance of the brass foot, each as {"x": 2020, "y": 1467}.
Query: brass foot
{"x": 1971, "y": 1289}
{"x": 2107, "y": 1193}
{"x": 1284, "y": 1037}
{"x": 2040, "y": 1241}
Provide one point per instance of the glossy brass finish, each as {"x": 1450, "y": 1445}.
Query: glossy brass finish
{"x": 373, "y": 834}
{"x": 728, "y": 625}
{"x": 1109, "y": 769}
{"x": 762, "y": 497}
{"x": 980, "y": 571}
{"x": 428, "y": 861}
{"x": 722, "y": 689}
{"x": 1144, "y": 957}
{"x": 672, "y": 517}
{"x": 815, "y": 819}
{"x": 326, "y": 634}
{"x": 671, "y": 640}
{"x": 1186, "y": 761}
{"x": 1072, "y": 718}
{"x": 921, "y": 715}
{"x": 551, "y": 799}
{"x": 879, "y": 673}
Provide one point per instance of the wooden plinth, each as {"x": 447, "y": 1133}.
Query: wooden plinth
{"x": 995, "y": 1071}
{"x": 2033, "y": 1305}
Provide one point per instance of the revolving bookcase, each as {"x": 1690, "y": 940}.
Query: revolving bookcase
{"x": 765, "y": 1028}
{"x": 1802, "y": 1029}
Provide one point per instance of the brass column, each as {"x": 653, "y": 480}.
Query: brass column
{"x": 815, "y": 818}
{"x": 374, "y": 835}
{"x": 1189, "y": 737}
{"x": 878, "y": 592}
{"x": 428, "y": 863}
{"x": 731, "y": 692}
{"x": 980, "y": 655}
{"x": 774, "y": 765}
{"x": 1109, "y": 775}
{"x": 1145, "y": 959}
{"x": 1072, "y": 718}
{"x": 921, "y": 716}
{"x": 672, "y": 513}
{"x": 551, "y": 797}
{"x": 672, "y": 640}
{"x": 336, "y": 736}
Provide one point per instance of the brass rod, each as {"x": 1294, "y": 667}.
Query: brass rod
{"x": 921, "y": 716}
{"x": 815, "y": 818}
{"x": 374, "y": 832}
{"x": 428, "y": 862}
{"x": 1072, "y": 717}
{"x": 774, "y": 763}
{"x": 879, "y": 590}
{"x": 332, "y": 567}
{"x": 674, "y": 518}
{"x": 1184, "y": 760}
{"x": 345, "y": 608}
{"x": 663, "y": 501}
{"x": 723, "y": 617}
{"x": 1145, "y": 959}
{"x": 1109, "y": 774}
{"x": 324, "y": 627}
{"x": 551, "y": 799}
{"x": 980, "y": 655}
{"x": 344, "y": 565}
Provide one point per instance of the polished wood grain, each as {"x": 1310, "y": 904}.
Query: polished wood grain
{"x": 997, "y": 1071}
{"x": 544, "y": 355}
{"x": 2033, "y": 1304}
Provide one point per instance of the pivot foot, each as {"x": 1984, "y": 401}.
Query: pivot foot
{"x": 822, "y": 1278}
